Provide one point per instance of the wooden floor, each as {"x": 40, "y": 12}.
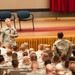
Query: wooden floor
{"x": 47, "y": 22}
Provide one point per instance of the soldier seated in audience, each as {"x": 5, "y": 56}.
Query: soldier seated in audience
{"x": 3, "y": 63}
{"x": 50, "y": 53}
{"x": 25, "y": 64}
{"x": 25, "y": 53}
{"x": 63, "y": 59}
{"x": 8, "y": 58}
{"x": 22, "y": 49}
{"x": 44, "y": 57}
{"x": 31, "y": 50}
{"x": 59, "y": 69}
{"x": 46, "y": 46}
{"x": 66, "y": 68}
{"x": 55, "y": 60}
{"x": 33, "y": 57}
{"x": 39, "y": 51}
{"x": 15, "y": 67}
{"x": 14, "y": 56}
{"x": 49, "y": 69}
{"x": 35, "y": 70}
{"x": 48, "y": 61}
{"x": 71, "y": 65}
{"x": 26, "y": 46}
{"x": 14, "y": 49}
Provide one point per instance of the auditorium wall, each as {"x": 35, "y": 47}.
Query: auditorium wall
{"x": 24, "y": 4}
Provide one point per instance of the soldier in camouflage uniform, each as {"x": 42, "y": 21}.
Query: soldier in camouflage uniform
{"x": 8, "y": 33}
{"x": 62, "y": 46}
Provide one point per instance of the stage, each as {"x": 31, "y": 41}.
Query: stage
{"x": 48, "y": 27}
{"x": 45, "y": 31}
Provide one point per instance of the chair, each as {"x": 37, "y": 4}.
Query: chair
{"x": 25, "y": 16}
{"x": 4, "y": 68}
{"x": 7, "y": 14}
{"x": 19, "y": 72}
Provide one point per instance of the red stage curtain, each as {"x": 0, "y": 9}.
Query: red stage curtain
{"x": 62, "y": 5}
{"x": 55, "y": 5}
{"x": 71, "y": 5}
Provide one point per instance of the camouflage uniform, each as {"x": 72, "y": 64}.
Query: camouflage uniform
{"x": 62, "y": 46}
{"x": 5, "y": 37}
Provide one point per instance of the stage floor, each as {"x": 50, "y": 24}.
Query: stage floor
{"x": 47, "y": 27}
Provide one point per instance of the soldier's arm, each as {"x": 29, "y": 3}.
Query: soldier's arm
{"x": 54, "y": 49}
{"x": 69, "y": 51}
{"x": 15, "y": 33}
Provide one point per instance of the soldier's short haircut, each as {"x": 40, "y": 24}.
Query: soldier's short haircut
{"x": 48, "y": 61}
{"x": 14, "y": 63}
{"x": 60, "y": 34}
{"x": 1, "y": 58}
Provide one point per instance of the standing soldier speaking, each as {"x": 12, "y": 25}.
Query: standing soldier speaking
{"x": 8, "y": 33}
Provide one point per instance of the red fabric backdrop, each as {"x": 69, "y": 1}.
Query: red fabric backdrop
{"x": 62, "y": 5}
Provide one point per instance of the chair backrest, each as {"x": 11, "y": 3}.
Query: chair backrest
{"x": 5, "y": 14}
{"x": 23, "y": 14}
{"x": 4, "y": 68}
{"x": 19, "y": 72}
